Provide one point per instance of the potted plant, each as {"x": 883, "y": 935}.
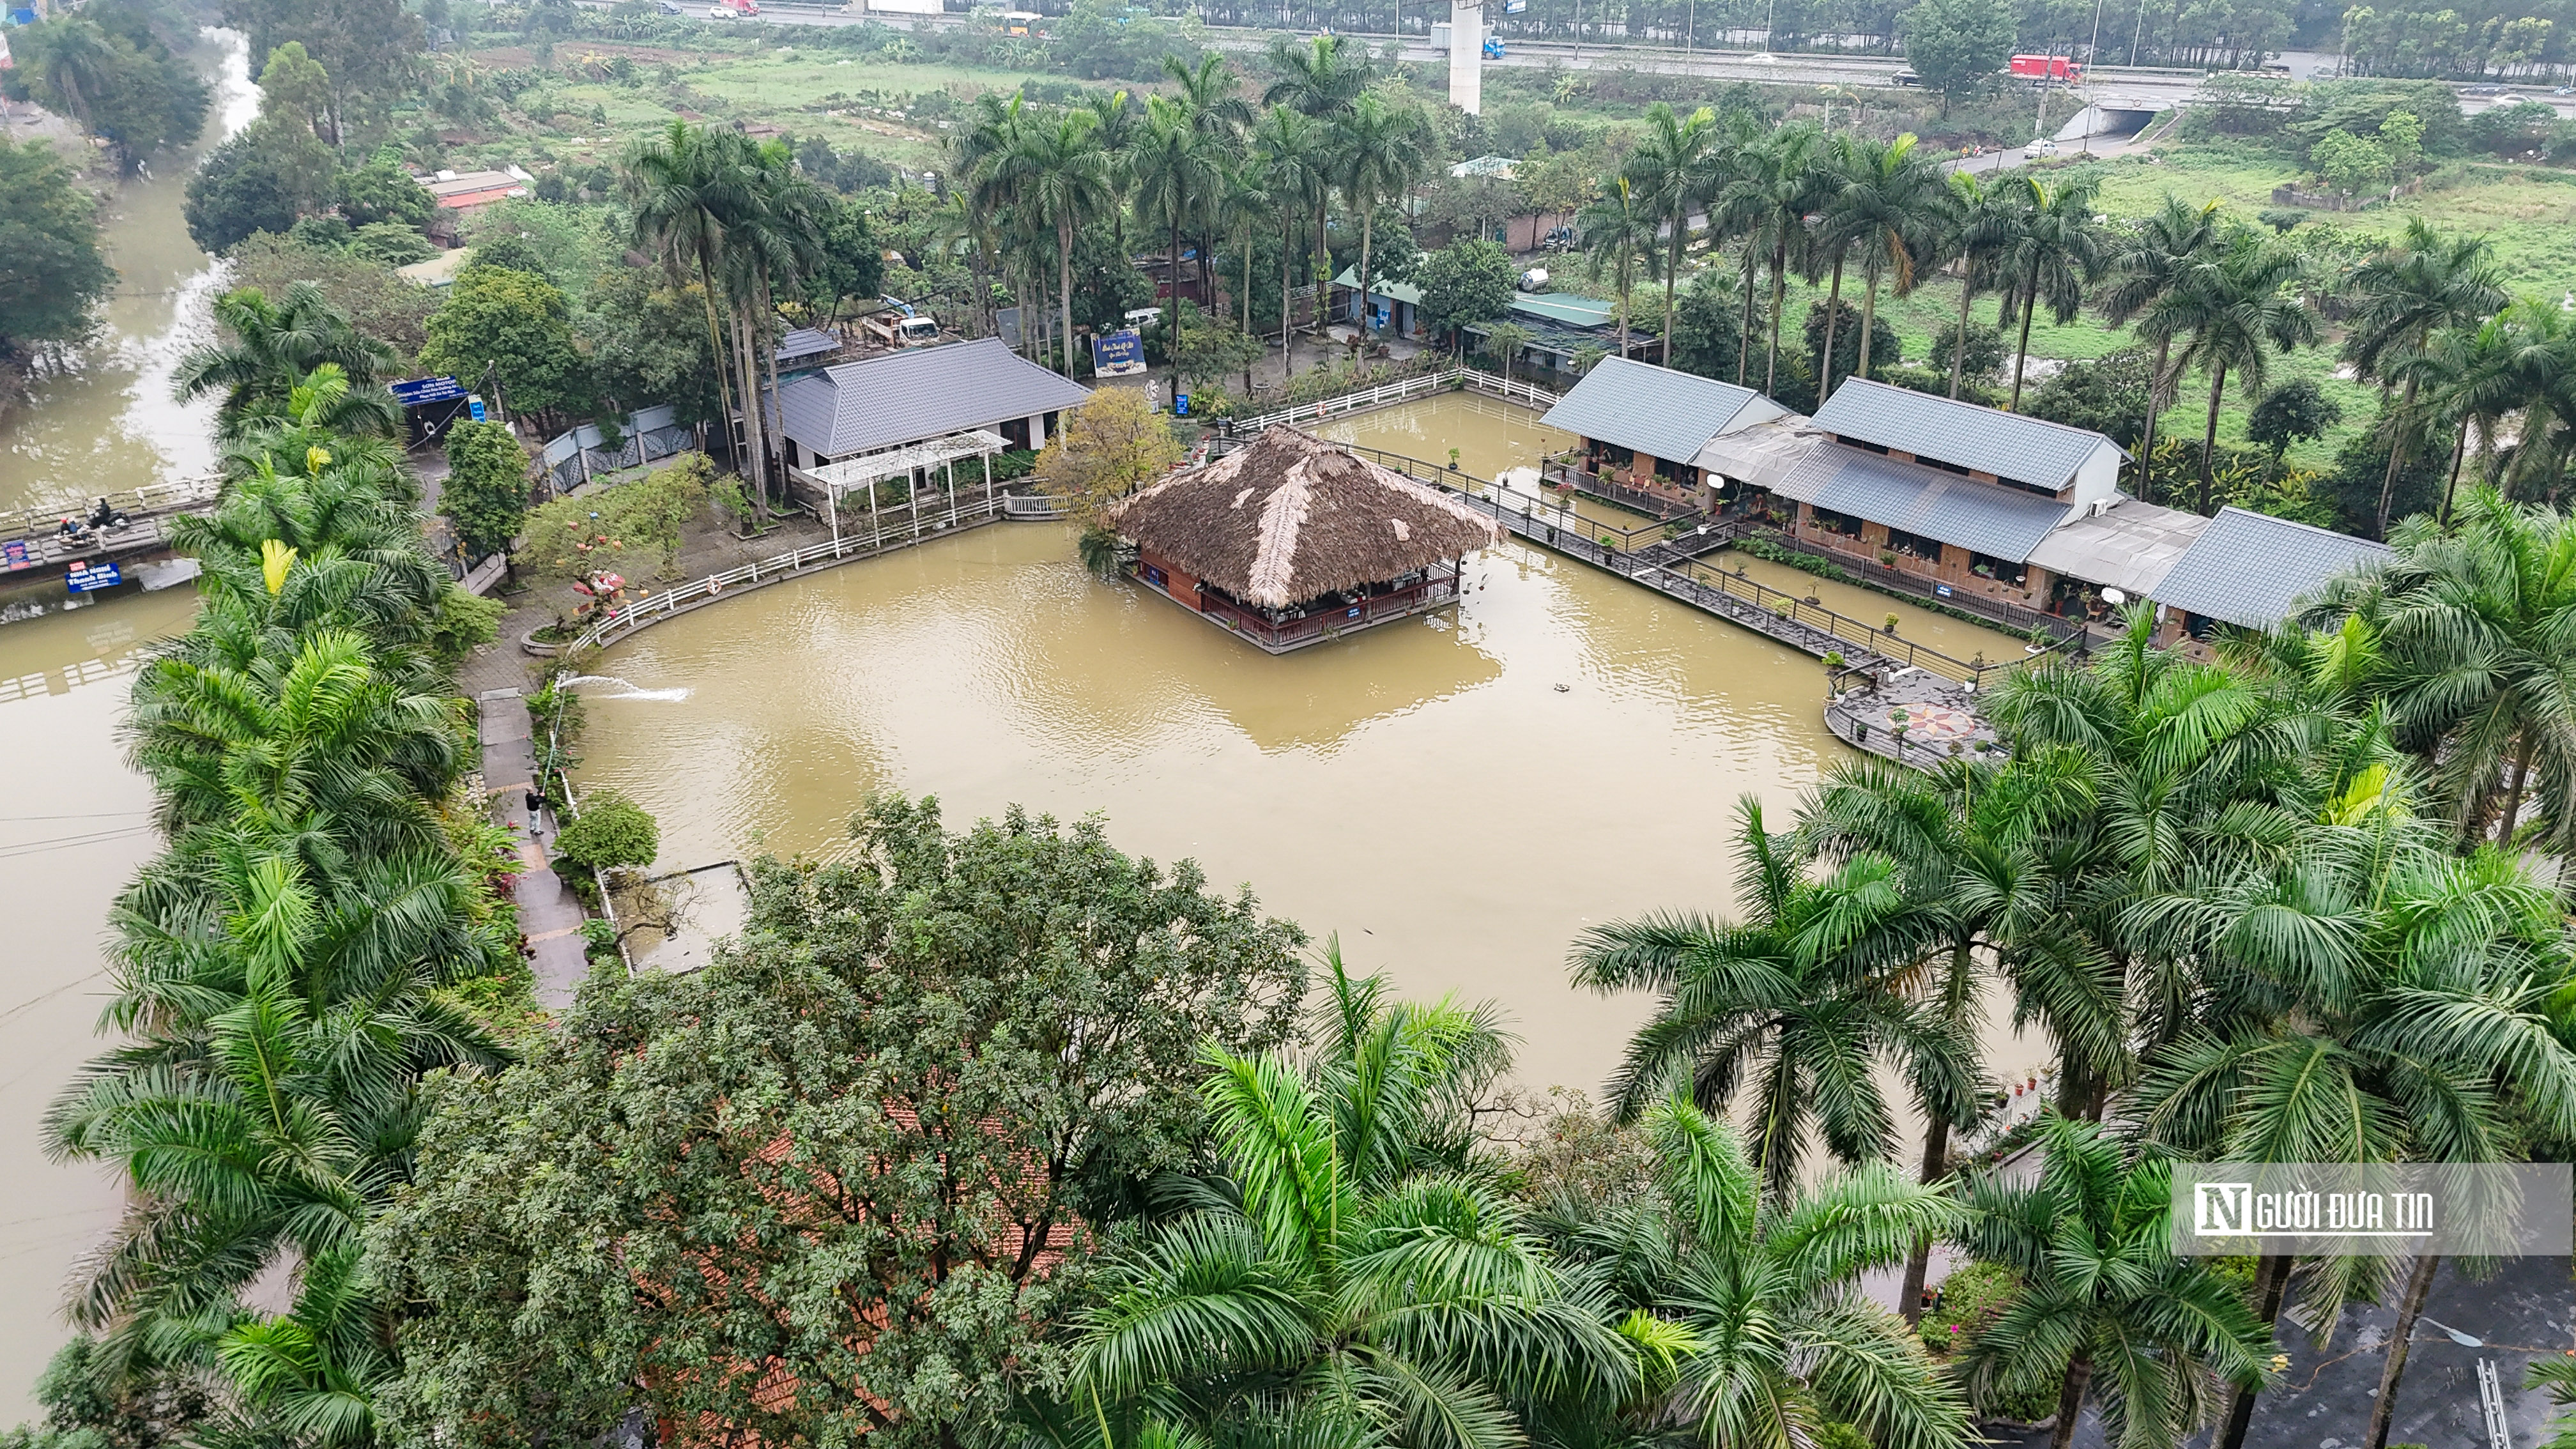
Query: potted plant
{"x": 1890, "y": 625}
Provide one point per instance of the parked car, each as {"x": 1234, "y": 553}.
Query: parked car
{"x": 1908, "y": 78}
{"x": 718, "y": 12}
{"x": 674, "y": 7}
{"x": 2039, "y": 146}
{"x": 2479, "y": 90}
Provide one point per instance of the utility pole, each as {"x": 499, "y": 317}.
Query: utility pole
{"x": 2091, "y": 52}
{"x": 2138, "y": 33}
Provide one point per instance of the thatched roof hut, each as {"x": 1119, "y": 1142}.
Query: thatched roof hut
{"x": 1293, "y": 518}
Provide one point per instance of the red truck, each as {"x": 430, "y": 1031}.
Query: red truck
{"x": 2047, "y": 67}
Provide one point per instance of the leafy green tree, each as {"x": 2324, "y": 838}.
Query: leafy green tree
{"x": 1354, "y": 1269}
{"x": 49, "y": 233}
{"x": 1958, "y": 46}
{"x": 1705, "y": 327}
{"x": 120, "y": 81}
{"x": 2296, "y": 411}
{"x": 1618, "y": 234}
{"x": 1464, "y": 283}
{"x": 866, "y": 1149}
{"x": 369, "y": 49}
{"x": 391, "y": 243}
{"x": 2166, "y": 252}
{"x": 2108, "y": 395}
{"x": 485, "y": 497}
{"x": 1842, "y": 320}
{"x": 2103, "y": 1295}
{"x": 572, "y": 537}
{"x": 611, "y": 832}
{"x": 1798, "y": 1001}
{"x": 851, "y": 274}
{"x": 2233, "y": 314}
{"x": 2350, "y": 164}
{"x": 293, "y": 86}
{"x": 1738, "y": 1300}
{"x": 648, "y": 344}
{"x": 386, "y": 309}
{"x": 1978, "y": 354}
{"x": 511, "y": 252}
{"x": 519, "y": 328}
{"x": 260, "y": 180}
{"x": 1677, "y": 167}
{"x": 382, "y": 190}
{"x": 1380, "y": 150}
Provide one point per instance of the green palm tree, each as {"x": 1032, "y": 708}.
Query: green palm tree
{"x": 308, "y": 1378}
{"x": 1355, "y": 1280}
{"x": 2478, "y": 666}
{"x": 1222, "y": 118}
{"x": 2231, "y": 313}
{"x": 1379, "y": 153}
{"x": 1982, "y": 225}
{"x": 1056, "y": 171}
{"x": 2402, "y": 296}
{"x": 2104, "y": 1307}
{"x": 2053, "y": 251}
{"x": 1619, "y": 236}
{"x": 2167, "y": 251}
{"x": 683, "y": 195}
{"x": 1177, "y": 179}
{"x": 1741, "y": 1300}
{"x": 1292, "y": 147}
{"x": 1827, "y": 250}
{"x": 1897, "y": 209}
{"x": 1323, "y": 81}
{"x": 1248, "y": 203}
{"x": 1674, "y": 171}
{"x": 1774, "y": 189}
{"x": 272, "y": 347}
{"x": 1802, "y": 996}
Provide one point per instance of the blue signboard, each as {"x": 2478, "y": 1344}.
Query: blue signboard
{"x": 1180, "y": 404}
{"x": 22, "y": 17}
{"x": 476, "y": 403}
{"x": 85, "y": 577}
{"x": 427, "y": 390}
{"x": 1115, "y": 354}
{"x": 16, "y": 555}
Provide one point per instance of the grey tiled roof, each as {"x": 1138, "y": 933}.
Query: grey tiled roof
{"x": 1655, "y": 410}
{"x": 920, "y": 392}
{"x": 1986, "y": 440}
{"x": 2251, "y": 569}
{"x": 1987, "y": 517}
{"x": 2132, "y": 547}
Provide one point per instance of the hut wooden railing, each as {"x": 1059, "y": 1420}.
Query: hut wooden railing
{"x": 1997, "y": 611}
{"x": 1564, "y": 470}
{"x": 1440, "y": 588}
{"x": 909, "y": 527}
{"x": 1391, "y": 393}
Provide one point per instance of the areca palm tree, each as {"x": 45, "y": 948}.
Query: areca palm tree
{"x": 1618, "y": 231}
{"x": 1981, "y": 229}
{"x": 1323, "y": 81}
{"x": 1773, "y": 190}
{"x": 308, "y": 1378}
{"x": 1743, "y": 1299}
{"x": 1177, "y": 179}
{"x": 2168, "y": 250}
{"x": 2053, "y": 251}
{"x": 1222, "y": 118}
{"x": 1355, "y": 1276}
{"x": 2105, "y": 1309}
{"x": 2231, "y": 313}
{"x": 1897, "y": 208}
{"x": 1802, "y": 997}
{"x": 274, "y": 346}
{"x": 1291, "y": 146}
{"x": 1380, "y": 151}
{"x": 1249, "y": 202}
{"x": 2480, "y": 677}
{"x": 2421, "y": 284}
{"x": 1675, "y": 171}
{"x": 1056, "y": 171}
{"x": 683, "y": 194}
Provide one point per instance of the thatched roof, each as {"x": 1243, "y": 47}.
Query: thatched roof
{"x": 1292, "y": 518}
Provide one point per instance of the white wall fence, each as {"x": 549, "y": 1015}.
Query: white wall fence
{"x": 646, "y": 437}
{"x": 1391, "y": 393}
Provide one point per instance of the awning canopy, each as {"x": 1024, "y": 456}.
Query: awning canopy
{"x": 870, "y": 468}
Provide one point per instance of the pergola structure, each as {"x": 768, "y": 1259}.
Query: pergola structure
{"x": 869, "y": 469}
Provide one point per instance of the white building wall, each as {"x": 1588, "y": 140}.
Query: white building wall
{"x": 2099, "y": 478}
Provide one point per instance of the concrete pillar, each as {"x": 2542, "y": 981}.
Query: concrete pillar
{"x": 1467, "y": 55}
{"x": 1037, "y": 432}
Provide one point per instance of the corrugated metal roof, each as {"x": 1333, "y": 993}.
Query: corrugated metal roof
{"x": 2251, "y": 569}
{"x": 2130, "y": 548}
{"x": 920, "y": 392}
{"x": 1986, "y": 440}
{"x": 1569, "y": 308}
{"x": 806, "y": 342}
{"x": 1655, "y": 410}
{"x": 1987, "y": 517}
{"x": 1405, "y": 292}
{"x": 1762, "y": 454}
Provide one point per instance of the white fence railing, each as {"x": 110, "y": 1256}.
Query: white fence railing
{"x": 1404, "y": 390}
{"x": 897, "y": 533}
{"x": 175, "y": 496}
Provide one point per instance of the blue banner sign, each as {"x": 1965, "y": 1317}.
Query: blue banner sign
{"x": 1117, "y": 353}
{"x": 476, "y": 404}
{"x": 1180, "y": 404}
{"x": 16, "y": 555}
{"x": 427, "y": 390}
{"x": 102, "y": 574}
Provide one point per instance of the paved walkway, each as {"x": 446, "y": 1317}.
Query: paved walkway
{"x": 548, "y": 915}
